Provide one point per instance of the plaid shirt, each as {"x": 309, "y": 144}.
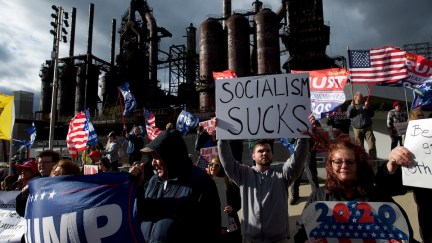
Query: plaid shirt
{"x": 393, "y": 117}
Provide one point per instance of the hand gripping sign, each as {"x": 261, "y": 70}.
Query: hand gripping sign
{"x": 341, "y": 221}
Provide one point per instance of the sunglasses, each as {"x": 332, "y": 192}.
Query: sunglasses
{"x": 213, "y": 165}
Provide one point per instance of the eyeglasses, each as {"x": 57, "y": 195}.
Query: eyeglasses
{"x": 44, "y": 162}
{"x": 213, "y": 165}
{"x": 338, "y": 162}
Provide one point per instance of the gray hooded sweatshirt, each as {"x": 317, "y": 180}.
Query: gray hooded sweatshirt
{"x": 264, "y": 194}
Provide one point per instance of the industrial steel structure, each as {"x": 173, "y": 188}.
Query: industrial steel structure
{"x": 245, "y": 41}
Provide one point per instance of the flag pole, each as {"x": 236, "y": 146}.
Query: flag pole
{"x": 406, "y": 101}
{"x": 10, "y": 155}
{"x": 349, "y": 76}
{"x": 121, "y": 107}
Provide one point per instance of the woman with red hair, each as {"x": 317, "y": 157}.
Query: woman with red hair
{"x": 350, "y": 177}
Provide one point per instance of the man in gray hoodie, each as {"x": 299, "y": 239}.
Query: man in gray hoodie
{"x": 264, "y": 190}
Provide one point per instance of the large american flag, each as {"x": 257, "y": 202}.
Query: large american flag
{"x": 152, "y": 130}
{"x": 386, "y": 64}
{"x": 77, "y": 136}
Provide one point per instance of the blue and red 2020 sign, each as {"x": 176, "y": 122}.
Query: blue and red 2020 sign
{"x": 347, "y": 221}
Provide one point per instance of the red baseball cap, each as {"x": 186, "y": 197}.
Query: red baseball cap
{"x": 32, "y": 165}
{"x": 95, "y": 153}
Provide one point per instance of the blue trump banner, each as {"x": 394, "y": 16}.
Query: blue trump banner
{"x": 82, "y": 208}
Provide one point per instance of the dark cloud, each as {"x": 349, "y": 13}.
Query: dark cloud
{"x": 4, "y": 53}
{"x": 371, "y": 24}
{"x": 26, "y": 42}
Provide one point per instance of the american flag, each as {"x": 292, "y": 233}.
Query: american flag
{"x": 202, "y": 163}
{"x": 152, "y": 130}
{"x": 77, "y": 135}
{"x": 386, "y": 64}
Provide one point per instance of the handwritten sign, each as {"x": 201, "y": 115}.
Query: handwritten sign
{"x": 401, "y": 127}
{"x": 418, "y": 140}
{"x": 12, "y": 226}
{"x": 274, "y": 106}
{"x": 335, "y": 220}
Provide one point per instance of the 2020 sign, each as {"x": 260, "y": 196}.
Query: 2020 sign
{"x": 334, "y": 221}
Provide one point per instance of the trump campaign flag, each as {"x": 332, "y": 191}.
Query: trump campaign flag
{"x": 152, "y": 130}
{"x": 326, "y": 89}
{"x": 129, "y": 99}
{"x": 422, "y": 95}
{"x": 385, "y": 64}
{"x": 224, "y": 74}
{"x": 24, "y": 143}
{"x": 82, "y": 208}
{"x": 419, "y": 70}
{"x": 32, "y": 132}
{"x": 419, "y": 79}
{"x": 186, "y": 122}
{"x": 7, "y": 116}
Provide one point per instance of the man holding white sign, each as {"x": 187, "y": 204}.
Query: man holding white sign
{"x": 263, "y": 107}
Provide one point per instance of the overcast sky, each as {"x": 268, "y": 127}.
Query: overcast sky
{"x": 25, "y": 41}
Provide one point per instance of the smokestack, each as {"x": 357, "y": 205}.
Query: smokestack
{"x": 226, "y": 11}
{"x": 89, "y": 51}
{"x": 72, "y": 34}
{"x": 113, "y": 37}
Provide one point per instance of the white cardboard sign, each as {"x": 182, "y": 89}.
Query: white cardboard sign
{"x": 272, "y": 106}
{"x": 12, "y": 225}
{"x": 418, "y": 140}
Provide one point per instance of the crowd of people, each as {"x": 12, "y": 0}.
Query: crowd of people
{"x": 181, "y": 195}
